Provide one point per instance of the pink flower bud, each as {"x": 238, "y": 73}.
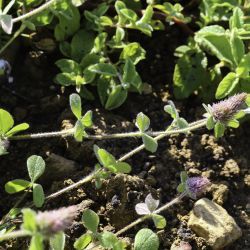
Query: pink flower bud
{"x": 54, "y": 221}
{"x": 195, "y": 186}
{"x": 224, "y": 111}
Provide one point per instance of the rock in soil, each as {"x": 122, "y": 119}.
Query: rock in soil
{"x": 212, "y": 222}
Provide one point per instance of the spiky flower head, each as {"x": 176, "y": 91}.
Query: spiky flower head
{"x": 195, "y": 186}
{"x": 54, "y": 221}
{"x": 224, "y": 111}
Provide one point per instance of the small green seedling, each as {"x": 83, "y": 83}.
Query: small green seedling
{"x": 36, "y": 167}
{"x": 82, "y": 122}
{"x": 148, "y": 208}
{"x": 106, "y": 239}
{"x": 7, "y": 129}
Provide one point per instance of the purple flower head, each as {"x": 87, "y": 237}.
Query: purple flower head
{"x": 54, "y": 221}
{"x": 224, "y": 111}
{"x": 195, "y": 186}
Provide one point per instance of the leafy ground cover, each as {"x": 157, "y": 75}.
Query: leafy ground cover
{"x": 187, "y": 74}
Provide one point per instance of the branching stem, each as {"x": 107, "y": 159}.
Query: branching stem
{"x": 193, "y": 126}
{"x": 70, "y": 132}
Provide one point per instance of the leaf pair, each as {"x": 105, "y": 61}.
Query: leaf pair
{"x": 7, "y": 123}
{"x": 83, "y": 122}
{"x": 107, "y": 239}
{"x": 36, "y": 167}
{"x": 143, "y": 123}
{"x": 148, "y": 208}
{"x": 178, "y": 121}
{"x": 109, "y": 162}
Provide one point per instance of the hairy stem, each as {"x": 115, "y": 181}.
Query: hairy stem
{"x": 90, "y": 177}
{"x": 191, "y": 127}
{"x": 86, "y": 179}
{"x": 70, "y": 132}
{"x": 15, "y": 234}
{"x": 41, "y": 8}
{"x": 164, "y": 207}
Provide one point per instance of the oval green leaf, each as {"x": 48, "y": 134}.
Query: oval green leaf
{"x": 16, "y": 186}
{"x": 146, "y": 239}
{"x": 36, "y": 167}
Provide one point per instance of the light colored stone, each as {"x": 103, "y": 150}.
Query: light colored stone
{"x": 212, "y": 222}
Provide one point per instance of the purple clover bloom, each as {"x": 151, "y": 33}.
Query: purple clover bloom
{"x": 54, "y": 221}
{"x": 195, "y": 186}
{"x": 224, "y": 111}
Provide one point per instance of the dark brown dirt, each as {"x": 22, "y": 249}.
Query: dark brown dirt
{"x": 224, "y": 162}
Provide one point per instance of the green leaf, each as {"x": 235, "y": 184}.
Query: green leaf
{"x": 103, "y": 88}
{"x": 78, "y": 3}
{"x": 6, "y": 23}
{"x": 244, "y": 66}
{"x": 148, "y": 14}
{"x": 65, "y": 79}
{"x": 18, "y": 128}
{"x": 108, "y": 239}
{"x": 129, "y": 14}
{"x": 57, "y": 242}
{"x": 90, "y": 220}
{"x": 81, "y": 45}
{"x": 89, "y": 59}
{"x": 36, "y": 242}
{"x": 6, "y": 121}
{"x": 227, "y": 85}
{"x": 79, "y": 132}
{"x": 105, "y": 157}
{"x": 16, "y": 186}
{"x": 171, "y": 109}
{"x": 69, "y": 20}
{"x": 86, "y": 120}
{"x": 189, "y": 74}
{"x": 82, "y": 242}
{"x": 8, "y": 6}
{"x": 38, "y": 195}
{"x": 210, "y": 123}
{"x": 159, "y": 221}
{"x": 149, "y": 143}
{"x": 119, "y": 35}
{"x": 134, "y": 52}
{"x": 181, "y": 123}
{"x": 68, "y": 66}
{"x": 76, "y": 105}
{"x": 181, "y": 187}
{"x": 130, "y": 75}
{"x": 123, "y": 167}
{"x": 233, "y": 124}
{"x": 219, "y": 129}
{"x": 237, "y": 19}
{"x": 146, "y": 239}
{"x": 142, "y": 122}
{"x": 237, "y": 46}
{"x": 103, "y": 69}
{"x": 106, "y": 21}
{"x": 29, "y": 220}
{"x": 183, "y": 176}
{"x": 215, "y": 40}
{"x": 35, "y": 166}
{"x": 116, "y": 98}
